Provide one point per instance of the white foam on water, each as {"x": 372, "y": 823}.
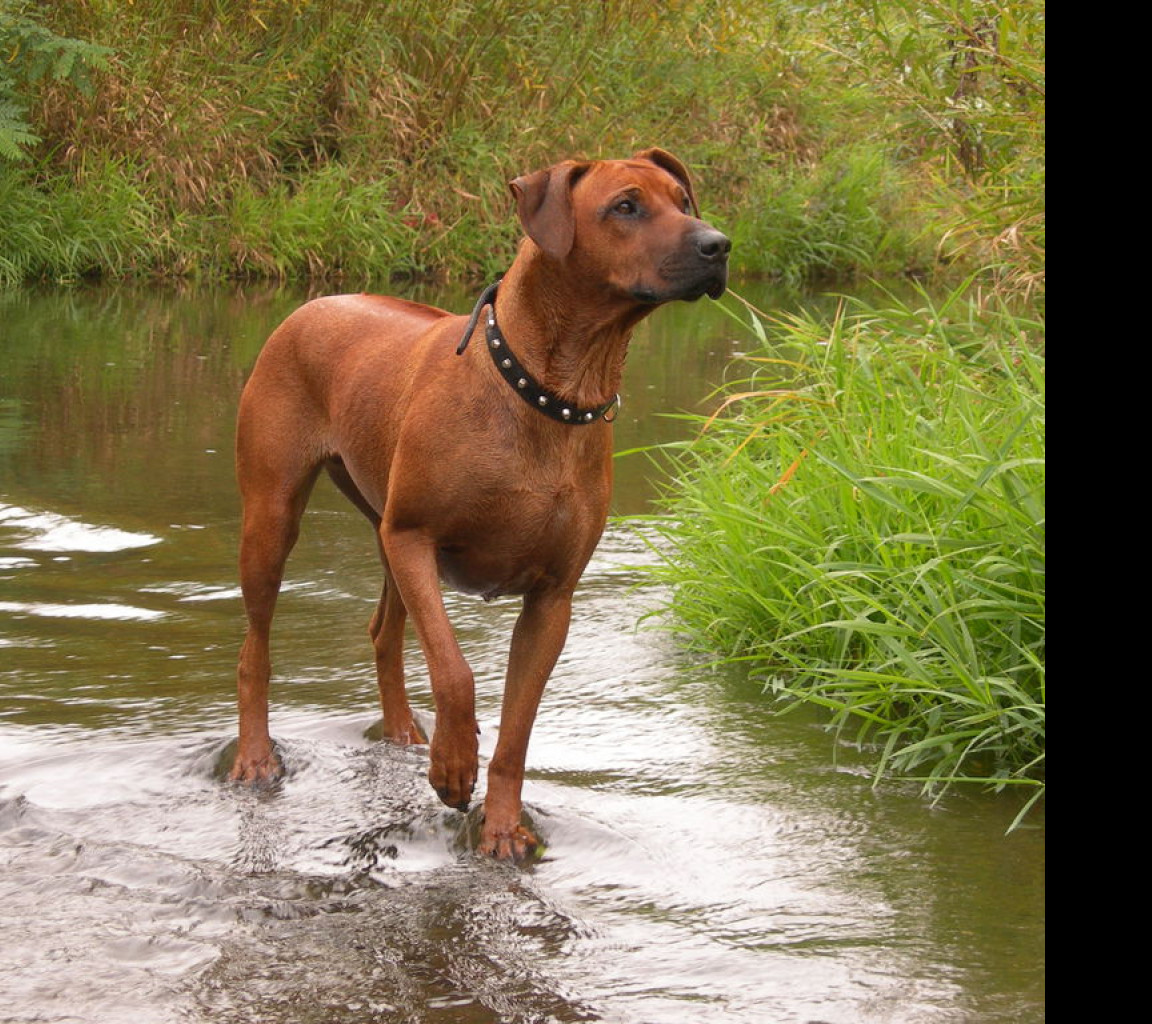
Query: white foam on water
{"x": 50, "y": 532}
{"x": 120, "y": 612}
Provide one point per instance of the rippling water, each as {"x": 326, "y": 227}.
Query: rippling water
{"x": 706, "y": 861}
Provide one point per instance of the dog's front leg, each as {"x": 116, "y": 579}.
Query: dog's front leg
{"x": 412, "y": 562}
{"x": 537, "y": 642}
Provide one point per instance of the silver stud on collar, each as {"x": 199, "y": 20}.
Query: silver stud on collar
{"x": 506, "y": 362}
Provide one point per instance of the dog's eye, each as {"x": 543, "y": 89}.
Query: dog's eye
{"x": 686, "y": 206}
{"x": 626, "y": 207}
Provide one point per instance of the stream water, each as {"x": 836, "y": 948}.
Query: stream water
{"x": 706, "y": 860}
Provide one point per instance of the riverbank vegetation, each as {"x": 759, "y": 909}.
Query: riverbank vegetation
{"x": 862, "y": 524}
{"x": 862, "y": 521}
{"x": 349, "y": 139}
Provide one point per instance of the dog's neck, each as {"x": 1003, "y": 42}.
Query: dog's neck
{"x": 573, "y": 344}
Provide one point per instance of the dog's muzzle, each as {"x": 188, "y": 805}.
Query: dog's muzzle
{"x": 712, "y": 249}
{"x": 698, "y": 267}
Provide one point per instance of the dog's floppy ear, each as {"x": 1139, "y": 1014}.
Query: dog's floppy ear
{"x": 544, "y": 203}
{"x": 665, "y": 160}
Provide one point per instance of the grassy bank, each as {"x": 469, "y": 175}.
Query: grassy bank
{"x": 353, "y": 140}
{"x": 862, "y": 524}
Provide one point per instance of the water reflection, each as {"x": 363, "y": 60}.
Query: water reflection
{"x": 705, "y": 861}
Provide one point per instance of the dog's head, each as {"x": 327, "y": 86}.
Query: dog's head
{"x": 633, "y": 224}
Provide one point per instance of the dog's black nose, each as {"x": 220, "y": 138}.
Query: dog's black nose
{"x": 713, "y": 245}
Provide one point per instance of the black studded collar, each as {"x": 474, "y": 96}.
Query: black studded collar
{"x": 523, "y": 383}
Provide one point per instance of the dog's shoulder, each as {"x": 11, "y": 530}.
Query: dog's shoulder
{"x": 363, "y": 304}
{"x": 393, "y": 304}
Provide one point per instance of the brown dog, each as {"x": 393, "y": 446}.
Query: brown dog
{"x": 485, "y": 465}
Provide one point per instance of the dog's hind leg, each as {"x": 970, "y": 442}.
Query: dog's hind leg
{"x": 386, "y": 628}
{"x": 276, "y": 481}
{"x": 387, "y": 632}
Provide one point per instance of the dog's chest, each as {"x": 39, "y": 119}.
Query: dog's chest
{"x": 523, "y": 536}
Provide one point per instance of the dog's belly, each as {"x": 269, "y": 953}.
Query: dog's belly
{"x": 463, "y": 571}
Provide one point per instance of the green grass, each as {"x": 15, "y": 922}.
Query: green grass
{"x": 845, "y": 217}
{"x": 67, "y": 231}
{"x": 862, "y": 524}
{"x": 354, "y": 141}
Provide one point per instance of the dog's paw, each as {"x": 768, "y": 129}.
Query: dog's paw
{"x": 261, "y": 765}
{"x": 454, "y": 768}
{"x": 515, "y": 844}
{"x": 409, "y": 735}
{"x": 406, "y": 734}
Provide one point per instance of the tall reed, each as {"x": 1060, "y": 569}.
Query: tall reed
{"x": 862, "y": 523}
{"x": 341, "y": 138}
